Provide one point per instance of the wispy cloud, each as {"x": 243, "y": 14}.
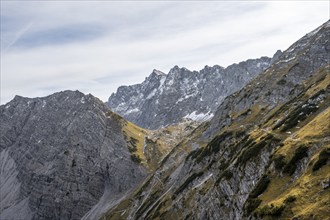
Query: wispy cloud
{"x": 17, "y": 36}
{"x": 97, "y": 46}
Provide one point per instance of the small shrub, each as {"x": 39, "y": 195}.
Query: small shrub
{"x": 223, "y": 165}
{"x": 131, "y": 144}
{"x": 279, "y": 162}
{"x": 188, "y": 181}
{"x": 132, "y": 149}
{"x": 251, "y": 205}
{"x": 290, "y": 199}
{"x": 136, "y": 158}
{"x": 300, "y": 153}
{"x": 260, "y": 187}
{"x": 271, "y": 210}
{"x": 281, "y": 82}
{"x": 299, "y": 114}
{"x": 324, "y": 156}
{"x": 252, "y": 151}
{"x": 133, "y": 141}
{"x": 211, "y": 148}
{"x": 245, "y": 113}
{"x": 227, "y": 174}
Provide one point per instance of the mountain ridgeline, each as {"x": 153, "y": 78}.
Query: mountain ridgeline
{"x": 258, "y": 146}
{"x": 60, "y": 156}
{"x": 165, "y": 99}
{"x": 264, "y": 155}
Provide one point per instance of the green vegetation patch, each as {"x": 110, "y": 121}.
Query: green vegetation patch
{"x": 250, "y": 205}
{"x": 253, "y": 202}
{"x": 300, "y": 113}
{"x": 300, "y": 153}
{"x": 281, "y": 82}
{"x": 323, "y": 158}
{"x": 187, "y": 182}
{"x": 279, "y": 162}
{"x": 212, "y": 147}
{"x": 148, "y": 202}
{"x": 136, "y": 158}
{"x": 270, "y": 210}
{"x": 252, "y": 151}
{"x": 260, "y": 187}
{"x": 252, "y": 148}
{"x": 290, "y": 199}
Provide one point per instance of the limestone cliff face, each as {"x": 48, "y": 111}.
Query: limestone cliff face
{"x": 60, "y": 155}
{"x": 264, "y": 154}
{"x": 165, "y": 99}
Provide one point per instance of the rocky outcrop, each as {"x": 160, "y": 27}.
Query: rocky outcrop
{"x": 263, "y": 154}
{"x": 164, "y": 99}
{"x": 61, "y": 156}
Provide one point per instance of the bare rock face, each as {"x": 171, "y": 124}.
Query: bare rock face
{"x": 59, "y": 155}
{"x": 283, "y": 81}
{"x": 259, "y": 156}
{"x": 164, "y": 99}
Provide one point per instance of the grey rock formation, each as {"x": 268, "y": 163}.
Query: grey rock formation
{"x": 164, "y": 99}
{"x": 217, "y": 180}
{"x": 59, "y": 156}
{"x": 298, "y": 63}
{"x": 276, "y": 56}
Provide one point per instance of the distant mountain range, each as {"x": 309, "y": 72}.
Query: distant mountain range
{"x": 250, "y": 141}
{"x": 165, "y": 99}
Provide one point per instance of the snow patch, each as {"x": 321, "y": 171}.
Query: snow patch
{"x": 185, "y": 97}
{"x": 170, "y": 82}
{"x": 287, "y": 60}
{"x": 151, "y": 94}
{"x": 161, "y": 83}
{"x": 199, "y": 117}
{"x": 132, "y": 111}
{"x": 203, "y": 181}
{"x": 120, "y": 107}
{"x": 43, "y": 103}
{"x": 82, "y": 100}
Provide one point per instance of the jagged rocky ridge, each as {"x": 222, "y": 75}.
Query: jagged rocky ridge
{"x": 62, "y": 157}
{"x": 264, "y": 154}
{"x": 164, "y": 99}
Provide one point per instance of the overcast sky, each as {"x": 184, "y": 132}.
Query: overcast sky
{"x": 49, "y": 46}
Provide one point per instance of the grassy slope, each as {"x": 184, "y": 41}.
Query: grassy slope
{"x": 303, "y": 186}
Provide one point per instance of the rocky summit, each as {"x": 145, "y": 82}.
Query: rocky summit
{"x": 165, "y": 99}
{"x": 61, "y": 156}
{"x": 250, "y": 141}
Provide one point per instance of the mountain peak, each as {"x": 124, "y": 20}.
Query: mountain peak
{"x": 157, "y": 72}
{"x": 165, "y": 99}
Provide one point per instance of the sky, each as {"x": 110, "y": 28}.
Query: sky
{"x": 97, "y": 46}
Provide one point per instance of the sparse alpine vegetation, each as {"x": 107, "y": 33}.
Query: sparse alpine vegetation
{"x": 264, "y": 154}
{"x": 257, "y": 150}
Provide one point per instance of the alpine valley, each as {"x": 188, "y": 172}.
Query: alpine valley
{"x": 250, "y": 141}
